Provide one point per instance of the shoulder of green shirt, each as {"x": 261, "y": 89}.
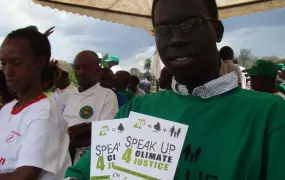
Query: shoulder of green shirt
{"x": 81, "y": 170}
{"x": 137, "y": 101}
{"x": 281, "y": 88}
{"x": 276, "y": 105}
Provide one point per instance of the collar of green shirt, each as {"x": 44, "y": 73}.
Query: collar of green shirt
{"x": 213, "y": 88}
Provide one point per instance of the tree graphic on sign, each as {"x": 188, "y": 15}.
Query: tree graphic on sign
{"x": 121, "y": 127}
{"x": 157, "y": 127}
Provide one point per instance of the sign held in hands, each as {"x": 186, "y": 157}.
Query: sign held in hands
{"x": 139, "y": 147}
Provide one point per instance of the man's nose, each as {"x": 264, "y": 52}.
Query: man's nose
{"x": 80, "y": 72}
{"x": 178, "y": 38}
{"x": 8, "y": 71}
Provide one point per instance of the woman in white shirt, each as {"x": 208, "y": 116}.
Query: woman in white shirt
{"x": 30, "y": 134}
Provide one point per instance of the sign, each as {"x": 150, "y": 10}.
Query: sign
{"x": 150, "y": 149}
{"x": 106, "y": 137}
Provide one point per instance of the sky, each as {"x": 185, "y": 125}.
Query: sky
{"x": 262, "y": 33}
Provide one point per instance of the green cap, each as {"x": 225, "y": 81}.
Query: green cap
{"x": 33, "y": 27}
{"x": 281, "y": 66}
{"x": 113, "y": 59}
{"x": 263, "y": 67}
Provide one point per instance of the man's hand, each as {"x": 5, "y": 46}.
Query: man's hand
{"x": 49, "y": 31}
{"x": 80, "y": 135}
{"x": 82, "y": 132}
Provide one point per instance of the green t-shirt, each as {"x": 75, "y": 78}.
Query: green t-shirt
{"x": 235, "y": 136}
{"x": 129, "y": 95}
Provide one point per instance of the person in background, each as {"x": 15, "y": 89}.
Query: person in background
{"x": 263, "y": 77}
{"x": 89, "y": 102}
{"x": 133, "y": 86}
{"x": 145, "y": 84}
{"x": 107, "y": 81}
{"x": 5, "y": 95}
{"x": 165, "y": 79}
{"x": 228, "y": 66}
{"x": 30, "y": 130}
{"x": 235, "y": 61}
{"x": 62, "y": 84}
{"x": 281, "y": 70}
{"x": 113, "y": 64}
{"x": 122, "y": 79}
{"x": 280, "y": 78}
{"x": 222, "y": 143}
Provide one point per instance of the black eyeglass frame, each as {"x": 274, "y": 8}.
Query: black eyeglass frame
{"x": 171, "y": 28}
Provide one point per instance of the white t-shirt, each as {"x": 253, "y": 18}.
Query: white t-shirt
{"x": 30, "y": 137}
{"x": 140, "y": 92}
{"x": 280, "y": 94}
{"x": 59, "y": 97}
{"x": 116, "y": 69}
{"x": 96, "y": 103}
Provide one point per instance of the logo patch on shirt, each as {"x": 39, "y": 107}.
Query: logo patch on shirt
{"x": 86, "y": 112}
{"x": 2, "y": 161}
{"x": 10, "y": 138}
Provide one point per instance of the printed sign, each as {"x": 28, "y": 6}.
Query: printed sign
{"x": 150, "y": 149}
{"x": 106, "y": 137}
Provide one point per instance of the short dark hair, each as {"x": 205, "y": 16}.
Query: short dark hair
{"x": 105, "y": 73}
{"x": 124, "y": 77}
{"x": 226, "y": 53}
{"x": 38, "y": 41}
{"x": 92, "y": 52}
{"x": 211, "y": 6}
{"x": 134, "y": 80}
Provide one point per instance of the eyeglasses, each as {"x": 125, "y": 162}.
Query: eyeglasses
{"x": 193, "y": 24}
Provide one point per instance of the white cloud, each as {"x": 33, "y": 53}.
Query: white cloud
{"x": 138, "y": 59}
{"x": 73, "y": 33}
{"x": 262, "y": 40}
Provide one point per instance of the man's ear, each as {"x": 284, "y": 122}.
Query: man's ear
{"x": 219, "y": 31}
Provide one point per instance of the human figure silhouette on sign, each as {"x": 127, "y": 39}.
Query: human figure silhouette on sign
{"x": 172, "y": 131}
{"x": 178, "y": 132}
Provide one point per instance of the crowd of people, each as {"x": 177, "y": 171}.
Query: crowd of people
{"x": 235, "y": 122}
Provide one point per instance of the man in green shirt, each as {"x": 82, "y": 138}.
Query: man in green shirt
{"x": 233, "y": 134}
{"x": 263, "y": 77}
{"x": 280, "y": 78}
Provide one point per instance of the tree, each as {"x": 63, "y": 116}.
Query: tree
{"x": 157, "y": 127}
{"x": 106, "y": 56}
{"x": 71, "y": 74}
{"x": 246, "y": 58}
{"x": 121, "y": 127}
{"x": 136, "y": 72}
{"x": 72, "y": 77}
{"x": 103, "y": 63}
{"x": 271, "y": 58}
{"x": 147, "y": 65}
